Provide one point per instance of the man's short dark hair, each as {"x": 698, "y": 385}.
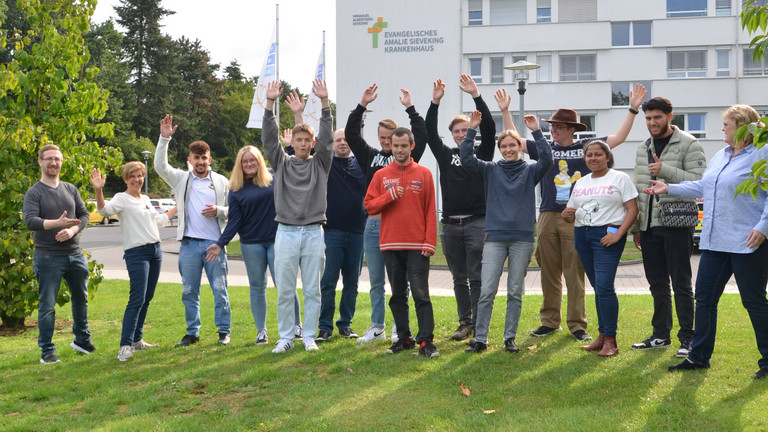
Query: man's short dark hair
{"x": 199, "y": 148}
{"x": 658, "y": 103}
{"x": 401, "y": 131}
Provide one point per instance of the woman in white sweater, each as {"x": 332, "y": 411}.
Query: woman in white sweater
{"x": 141, "y": 242}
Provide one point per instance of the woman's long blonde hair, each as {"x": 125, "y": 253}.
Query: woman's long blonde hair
{"x": 262, "y": 178}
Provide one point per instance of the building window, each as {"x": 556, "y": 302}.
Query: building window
{"x": 694, "y": 124}
{"x": 544, "y": 73}
{"x": 752, "y": 67}
{"x": 497, "y": 69}
{"x": 631, "y": 33}
{"x": 620, "y": 91}
{"x": 476, "y": 69}
{"x": 507, "y": 11}
{"x": 475, "y": 9}
{"x": 722, "y": 7}
{"x": 544, "y": 11}
{"x": 686, "y": 64}
{"x": 580, "y": 67}
{"x": 723, "y": 62}
{"x": 577, "y": 11}
{"x": 686, "y": 8}
{"x": 589, "y": 120}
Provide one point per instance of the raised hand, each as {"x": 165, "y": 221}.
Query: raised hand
{"x": 166, "y": 126}
{"x": 438, "y": 91}
{"x": 531, "y": 122}
{"x": 474, "y": 120}
{"x": 295, "y": 102}
{"x": 405, "y": 99}
{"x": 98, "y": 180}
{"x": 468, "y": 85}
{"x": 287, "y": 136}
{"x": 320, "y": 89}
{"x": 369, "y": 95}
{"x": 502, "y": 99}
{"x": 636, "y": 97}
{"x": 274, "y": 90}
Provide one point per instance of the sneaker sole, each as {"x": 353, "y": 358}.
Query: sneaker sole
{"x": 78, "y": 348}
{"x": 264, "y": 342}
{"x": 647, "y": 348}
{"x": 48, "y": 363}
{"x": 539, "y": 335}
{"x": 682, "y": 355}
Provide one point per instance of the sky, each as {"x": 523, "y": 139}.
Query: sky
{"x": 242, "y": 29}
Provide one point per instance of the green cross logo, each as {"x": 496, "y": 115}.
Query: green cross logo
{"x": 378, "y": 26}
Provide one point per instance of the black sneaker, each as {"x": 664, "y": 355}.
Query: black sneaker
{"x": 476, "y": 347}
{"x": 544, "y": 331}
{"x": 224, "y": 339}
{"x": 684, "y": 350}
{"x": 323, "y": 336}
{"x": 686, "y": 365}
{"x": 50, "y": 359}
{"x": 581, "y": 335}
{"x": 428, "y": 349}
{"x": 347, "y": 332}
{"x": 510, "y": 346}
{"x": 652, "y": 343}
{"x": 84, "y": 347}
{"x": 762, "y": 373}
{"x": 400, "y": 345}
{"x": 188, "y": 340}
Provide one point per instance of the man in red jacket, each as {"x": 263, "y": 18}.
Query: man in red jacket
{"x": 404, "y": 194}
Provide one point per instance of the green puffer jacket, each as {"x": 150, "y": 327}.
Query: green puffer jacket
{"x": 683, "y": 159}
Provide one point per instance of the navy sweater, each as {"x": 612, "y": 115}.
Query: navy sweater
{"x": 346, "y": 190}
{"x": 251, "y": 214}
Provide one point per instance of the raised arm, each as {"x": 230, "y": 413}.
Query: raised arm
{"x": 418, "y": 126}
{"x": 503, "y": 100}
{"x": 270, "y": 130}
{"x": 352, "y": 130}
{"x": 296, "y": 104}
{"x": 543, "y": 150}
{"x": 163, "y": 168}
{"x": 467, "y": 149}
{"x": 635, "y": 100}
{"x": 324, "y": 144}
{"x": 441, "y": 151}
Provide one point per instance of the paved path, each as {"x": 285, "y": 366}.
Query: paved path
{"x": 630, "y": 278}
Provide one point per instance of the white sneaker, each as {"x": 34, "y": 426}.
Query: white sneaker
{"x": 125, "y": 353}
{"x": 141, "y": 345}
{"x": 394, "y": 337}
{"x": 262, "y": 338}
{"x": 372, "y": 334}
{"x": 282, "y": 346}
{"x": 310, "y": 344}
{"x": 297, "y": 332}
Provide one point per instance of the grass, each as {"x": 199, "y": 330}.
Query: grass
{"x": 550, "y": 386}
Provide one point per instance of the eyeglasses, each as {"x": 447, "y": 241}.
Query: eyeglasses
{"x": 52, "y": 159}
{"x": 250, "y": 162}
{"x": 558, "y": 127}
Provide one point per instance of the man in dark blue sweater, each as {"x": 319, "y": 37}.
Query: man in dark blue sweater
{"x": 343, "y": 239}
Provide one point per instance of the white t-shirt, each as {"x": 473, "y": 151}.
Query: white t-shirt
{"x": 600, "y": 201}
{"x": 138, "y": 219}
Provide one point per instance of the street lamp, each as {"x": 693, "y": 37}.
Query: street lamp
{"x": 521, "y": 69}
{"x": 146, "y": 154}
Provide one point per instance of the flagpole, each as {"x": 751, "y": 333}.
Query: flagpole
{"x": 277, "y": 60}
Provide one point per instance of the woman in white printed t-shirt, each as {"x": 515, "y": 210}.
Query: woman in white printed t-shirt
{"x": 603, "y": 206}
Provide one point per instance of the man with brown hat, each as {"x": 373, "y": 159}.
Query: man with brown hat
{"x": 555, "y": 252}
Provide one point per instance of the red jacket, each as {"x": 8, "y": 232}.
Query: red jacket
{"x": 408, "y": 222}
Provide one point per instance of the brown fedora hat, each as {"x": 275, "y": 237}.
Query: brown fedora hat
{"x": 569, "y": 117}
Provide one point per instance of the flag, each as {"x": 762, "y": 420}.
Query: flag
{"x": 313, "y": 106}
{"x": 268, "y": 74}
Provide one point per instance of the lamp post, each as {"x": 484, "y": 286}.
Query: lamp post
{"x": 146, "y": 154}
{"x": 520, "y": 69}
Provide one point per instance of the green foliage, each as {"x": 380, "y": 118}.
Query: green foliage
{"x": 754, "y": 18}
{"x": 47, "y": 95}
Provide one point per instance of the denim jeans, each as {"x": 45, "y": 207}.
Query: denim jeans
{"x": 667, "y": 256}
{"x": 751, "y": 273}
{"x": 343, "y": 252}
{"x": 494, "y": 255}
{"x": 49, "y": 271}
{"x": 600, "y": 265}
{"x": 143, "y": 264}
{"x": 375, "y": 263}
{"x": 191, "y": 264}
{"x": 257, "y": 256}
{"x": 463, "y": 249}
{"x": 298, "y": 247}
{"x": 410, "y": 267}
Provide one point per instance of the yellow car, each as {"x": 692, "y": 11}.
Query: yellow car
{"x": 95, "y": 217}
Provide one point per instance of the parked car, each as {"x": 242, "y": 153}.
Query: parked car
{"x": 95, "y": 217}
{"x": 162, "y": 205}
{"x": 697, "y": 230}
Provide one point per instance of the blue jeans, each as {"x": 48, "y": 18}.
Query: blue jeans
{"x": 143, "y": 264}
{"x": 376, "y": 274}
{"x": 463, "y": 249}
{"x": 751, "y": 273}
{"x": 494, "y": 255}
{"x": 257, "y": 256}
{"x": 191, "y": 264}
{"x": 343, "y": 252}
{"x": 298, "y": 247}
{"x": 49, "y": 271}
{"x": 600, "y": 265}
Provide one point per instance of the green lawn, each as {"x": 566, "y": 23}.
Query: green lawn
{"x": 550, "y": 386}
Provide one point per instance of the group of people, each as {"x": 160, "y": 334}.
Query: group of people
{"x": 330, "y": 200}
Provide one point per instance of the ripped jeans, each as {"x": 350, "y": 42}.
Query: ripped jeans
{"x": 191, "y": 264}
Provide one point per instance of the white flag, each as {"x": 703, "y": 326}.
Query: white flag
{"x": 313, "y": 107}
{"x": 268, "y": 74}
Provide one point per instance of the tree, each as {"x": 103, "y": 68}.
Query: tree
{"x": 754, "y": 18}
{"x": 47, "y": 95}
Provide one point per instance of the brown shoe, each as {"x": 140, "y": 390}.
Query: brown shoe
{"x": 610, "y": 348}
{"x": 596, "y": 344}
